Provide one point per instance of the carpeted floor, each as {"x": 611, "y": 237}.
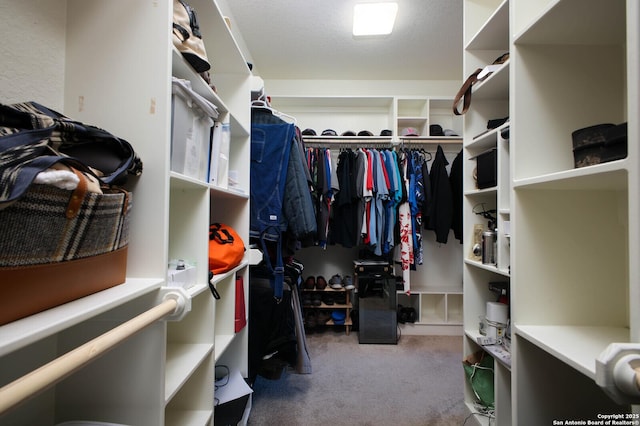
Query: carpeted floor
{"x": 419, "y": 381}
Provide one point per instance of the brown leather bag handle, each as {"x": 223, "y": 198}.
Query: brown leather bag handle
{"x": 464, "y": 93}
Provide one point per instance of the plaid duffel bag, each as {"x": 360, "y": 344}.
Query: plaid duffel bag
{"x": 58, "y": 245}
{"x": 59, "y": 242}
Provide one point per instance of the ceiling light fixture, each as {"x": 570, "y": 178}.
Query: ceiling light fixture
{"x": 371, "y": 19}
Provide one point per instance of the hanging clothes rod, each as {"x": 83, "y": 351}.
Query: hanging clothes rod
{"x": 451, "y": 145}
{"x": 49, "y": 374}
{"x": 388, "y": 141}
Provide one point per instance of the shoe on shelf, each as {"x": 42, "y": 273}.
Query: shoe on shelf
{"x": 310, "y": 283}
{"x": 327, "y": 299}
{"x": 338, "y": 316}
{"x": 348, "y": 283}
{"x": 306, "y": 299}
{"x": 340, "y": 298}
{"x": 336, "y": 282}
{"x": 323, "y": 317}
{"x": 316, "y": 299}
{"x": 321, "y": 283}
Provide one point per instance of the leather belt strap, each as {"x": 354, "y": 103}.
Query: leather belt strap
{"x": 464, "y": 93}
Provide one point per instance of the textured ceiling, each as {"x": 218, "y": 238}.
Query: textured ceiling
{"x": 311, "y": 39}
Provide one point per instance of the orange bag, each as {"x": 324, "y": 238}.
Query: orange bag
{"x": 226, "y": 248}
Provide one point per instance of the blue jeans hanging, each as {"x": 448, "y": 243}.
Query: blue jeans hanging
{"x": 270, "y": 150}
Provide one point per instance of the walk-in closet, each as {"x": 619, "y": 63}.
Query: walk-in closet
{"x": 249, "y": 212}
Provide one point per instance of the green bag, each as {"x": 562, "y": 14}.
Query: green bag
{"x": 478, "y": 368}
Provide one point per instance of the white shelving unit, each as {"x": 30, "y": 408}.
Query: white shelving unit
{"x": 572, "y": 64}
{"x": 121, "y": 81}
{"x": 373, "y": 113}
{"x": 486, "y": 36}
{"x": 553, "y": 64}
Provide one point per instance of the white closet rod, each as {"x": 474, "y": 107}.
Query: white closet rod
{"x": 328, "y": 141}
{"x": 49, "y": 374}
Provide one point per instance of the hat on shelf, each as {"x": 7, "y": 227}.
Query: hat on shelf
{"x": 449, "y": 132}
{"x": 309, "y": 132}
{"x": 348, "y": 133}
{"x": 329, "y": 132}
{"x": 365, "y": 133}
{"x": 386, "y": 132}
{"x": 410, "y": 131}
{"x": 435, "y": 130}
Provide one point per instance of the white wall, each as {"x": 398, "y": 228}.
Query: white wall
{"x": 46, "y": 23}
{"x": 445, "y": 88}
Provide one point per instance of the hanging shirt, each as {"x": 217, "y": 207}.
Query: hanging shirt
{"x": 440, "y": 216}
{"x": 455, "y": 177}
{"x": 360, "y": 179}
{"x": 404, "y": 250}
{"x": 390, "y": 219}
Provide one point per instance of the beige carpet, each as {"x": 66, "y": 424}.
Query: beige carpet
{"x": 419, "y": 381}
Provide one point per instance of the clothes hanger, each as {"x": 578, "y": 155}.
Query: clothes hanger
{"x": 262, "y": 104}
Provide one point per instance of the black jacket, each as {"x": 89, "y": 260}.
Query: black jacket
{"x": 441, "y": 208}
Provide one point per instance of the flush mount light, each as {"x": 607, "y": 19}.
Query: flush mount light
{"x": 370, "y": 19}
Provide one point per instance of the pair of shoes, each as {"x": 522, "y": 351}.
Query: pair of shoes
{"x": 315, "y": 283}
{"x": 315, "y": 320}
{"x": 336, "y": 282}
{"x": 348, "y": 283}
{"x": 406, "y": 314}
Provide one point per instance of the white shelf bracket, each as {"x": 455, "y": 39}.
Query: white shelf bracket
{"x": 182, "y": 298}
{"x": 618, "y": 372}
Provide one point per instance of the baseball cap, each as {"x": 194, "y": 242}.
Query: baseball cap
{"x": 329, "y": 132}
{"x": 365, "y": 133}
{"x": 309, "y": 132}
{"x": 409, "y": 131}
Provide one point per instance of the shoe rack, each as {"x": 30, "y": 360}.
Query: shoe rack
{"x": 320, "y": 300}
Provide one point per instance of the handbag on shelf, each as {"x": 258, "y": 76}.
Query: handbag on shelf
{"x": 57, "y": 245}
{"x": 187, "y": 37}
{"x": 226, "y": 248}
{"x": 64, "y": 222}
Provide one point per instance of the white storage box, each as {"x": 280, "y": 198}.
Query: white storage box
{"x": 192, "y": 120}
{"x": 181, "y": 274}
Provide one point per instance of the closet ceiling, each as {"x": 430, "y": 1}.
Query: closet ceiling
{"x": 311, "y": 39}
